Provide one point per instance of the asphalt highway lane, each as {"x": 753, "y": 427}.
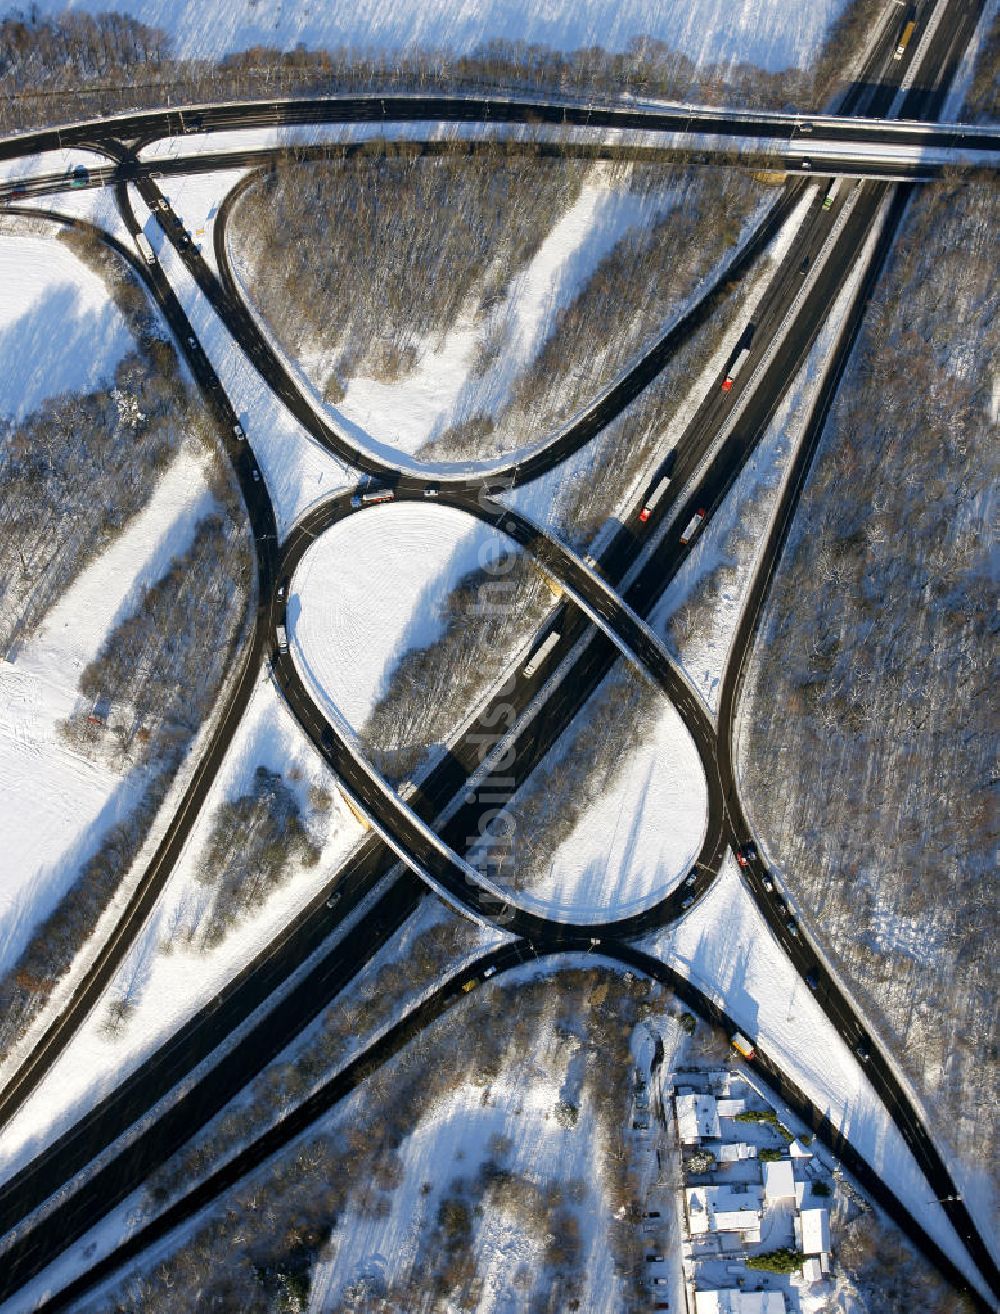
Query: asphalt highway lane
{"x": 148, "y": 126}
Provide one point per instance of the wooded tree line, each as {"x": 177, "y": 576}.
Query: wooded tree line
{"x": 486, "y": 617}
{"x": 165, "y": 663}
{"x": 160, "y": 667}
{"x": 79, "y": 468}
{"x": 982, "y": 100}
{"x": 870, "y": 699}
{"x": 257, "y": 839}
{"x": 73, "y": 65}
{"x": 359, "y": 265}
{"x": 75, "y": 473}
{"x": 73, "y": 48}
{"x": 579, "y": 769}
{"x": 624, "y": 304}
{"x": 361, "y": 261}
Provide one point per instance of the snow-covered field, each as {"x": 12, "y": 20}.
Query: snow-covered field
{"x": 632, "y": 843}
{"x": 454, "y": 1140}
{"x": 195, "y": 198}
{"x": 727, "y": 950}
{"x": 511, "y": 1120}
{"x": 58, "y": 330}
{"x": 371, "y": 588}
{"x": 446, "y": 387}
{"x": 771, "y": 33}
{"x": 48, "y": 163}
{"x": 164, "y": 979}
{"x": 95, "y": 205}
{"x": 60, "y": 334}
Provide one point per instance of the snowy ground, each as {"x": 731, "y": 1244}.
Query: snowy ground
{"x": 633, "y": 843}
{"x": 446, "y": 388}
{"x": 453, "y": 1140}
{"x": 770, "y": 33}
{"x": 371, "y": 588}
{"x": 59, "y": 332}
{"x": 96, "y": 205}
{"x": 297, "y": 470}
{"x": 195, "y": 198}
{"x": 727, "y": 950}
{"x": 732, "y": 541}
{"x": 163, "y": 979}
{"x": 49, "y": 163}
{"x": 57, "y": 804}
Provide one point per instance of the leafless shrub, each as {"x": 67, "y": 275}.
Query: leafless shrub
{"x": 489, "y": 612}
{"x": 255, "y": 842}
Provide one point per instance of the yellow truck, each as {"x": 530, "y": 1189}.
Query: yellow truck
{"x": 905, "y": 34}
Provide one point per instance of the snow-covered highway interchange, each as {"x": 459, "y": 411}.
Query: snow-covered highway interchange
{"x": 438, "y": 828}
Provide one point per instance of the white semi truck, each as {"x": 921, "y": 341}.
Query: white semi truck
{"x": 649, "y": 506}
{"x": 692, "y": 526}
{"x": 543, "y": 652}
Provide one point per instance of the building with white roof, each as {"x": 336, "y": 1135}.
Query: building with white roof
{"x": 812, "y": 1231}
{"x": 735, "y": 1152}
{"x": 739, "y": 1302}
{"x": 724, "y": 1209}
{"x": 697, "y": 1118}
{"x": 730, "y": 1108}
{"x": 779, "y": 1181}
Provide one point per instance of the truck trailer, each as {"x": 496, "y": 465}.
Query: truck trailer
{"x": 743, "y": 1046}
{"x": 373, "y": 497}
{"x": 543, "y": 652}
{"x": 692, "y": 526}
{"x": 906, "y": 34}
{"x": 649, "y": 506}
